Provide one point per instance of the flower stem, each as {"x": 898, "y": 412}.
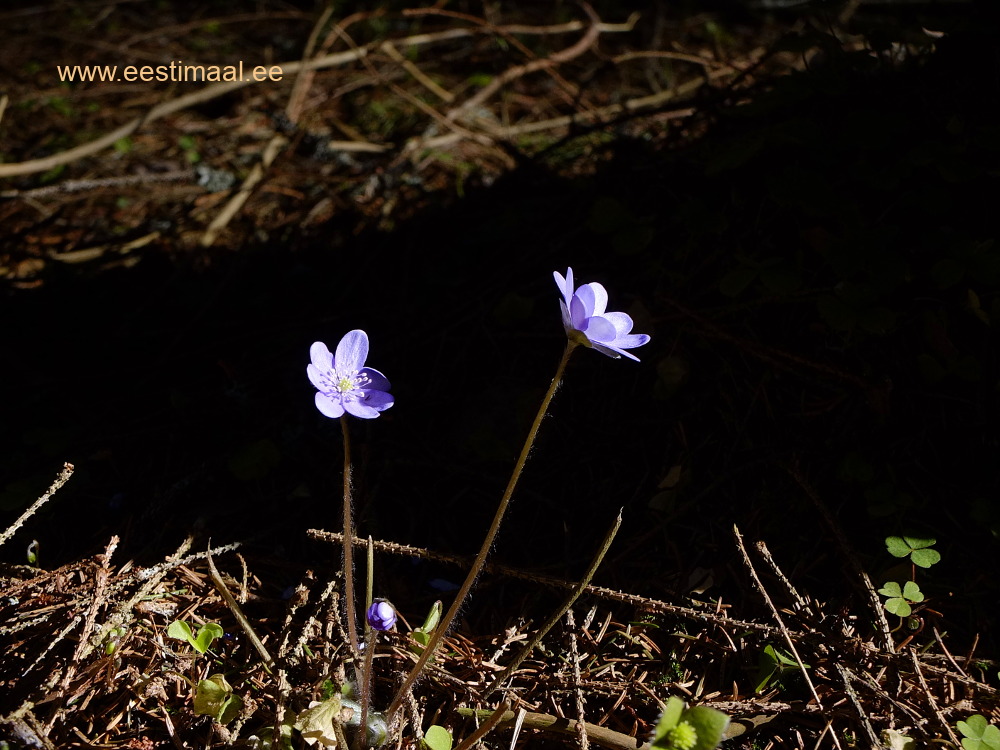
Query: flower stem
{"x": 558, "y": 614}
{"x": 484, "y": 550}
{"x": 349, "y": 603}
{"x": 371, "y": 635}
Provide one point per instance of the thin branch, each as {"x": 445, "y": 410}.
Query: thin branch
{"x": 60, "y": 480}
{"x": 777, "y": 616}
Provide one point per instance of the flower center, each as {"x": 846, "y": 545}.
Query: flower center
{"x": 349, "y": 382}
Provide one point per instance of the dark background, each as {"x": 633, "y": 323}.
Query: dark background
{"x": 818, "y": 272}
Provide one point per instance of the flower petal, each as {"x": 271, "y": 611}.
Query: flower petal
{"x": 595, "y": 298}
{"x": 577, "y": 313}
{"x": 352, "y": 351}
{"x": 329, "y": 406}
{"x": 376, "y": 380}
{"x": 561, "y": 283}
{"x": 600, "y": 329}
{"x": 606, "y": 351}
{"x": 567, "y": 320}
{"x": 631, "y": 341}
{"x": 614, "y": 352}
{"x": 319, "y": 378}
{"x": 621, "y": 321}
{"x": 379, "y": 400}
{"x": 320, "y": 355}
{"x": 359, "y": 409}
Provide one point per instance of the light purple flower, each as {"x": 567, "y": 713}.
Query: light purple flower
{"x": 587, "y": 323}
{"x": 381, "y": 615}
{"x": 344, "y": 383}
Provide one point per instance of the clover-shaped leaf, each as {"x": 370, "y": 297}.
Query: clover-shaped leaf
{"x": 436, "y": 738}
{"x": 899, "y": 599}
{"x": 214, "y": 697}
{"x": 916, "y": 548}
{"x": 979, "y": 734}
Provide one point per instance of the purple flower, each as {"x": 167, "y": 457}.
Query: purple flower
{"x": 381, "y": 615}
{"x": 587, "y": 323}
{"x": 344, "y": 383}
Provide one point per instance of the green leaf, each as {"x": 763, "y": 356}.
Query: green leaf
{"x": 916, "y": 547}
{"x": 900, "y": 598}
{"x": 781, "y": 659}
{"x": 917, "y": 542}
{"x": 897, "y": 546}
{"x": 979, "y": 734}
{"x": 890, "y": 588}
{"x": 899, "y": 607}
{"x": 214, "y": 697}
{"x": 433, "y": 618}
{"x": 180, "y": 631}
{"x": 911, "y": 592}
{"x": 207, "y": 634}
{"x": 436, "y": 738}
{"x": 710, "y": 725}
{"x": 974, "y": 727}
{"x": 667, "y": 721}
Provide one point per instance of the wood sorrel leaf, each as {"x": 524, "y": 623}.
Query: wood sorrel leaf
{"x": 979, "y": 733}
{"x": 437, "y": 738}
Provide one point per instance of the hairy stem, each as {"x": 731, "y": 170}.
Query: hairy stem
{"x": 557, "y": 616}
{"x": 484, "y": 550}
{"x": 371, "y": 636}
{"x": 349, "y": 602}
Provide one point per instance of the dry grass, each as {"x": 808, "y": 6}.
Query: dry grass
{"x": 88, "y": 664}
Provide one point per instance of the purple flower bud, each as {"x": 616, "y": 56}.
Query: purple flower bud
{"x": 381, "y": 615}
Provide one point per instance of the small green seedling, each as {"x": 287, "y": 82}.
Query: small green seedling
{"x": 774, "y": 665}
{"x": 436, "y": 738}
{"x": 114, "y": 636}
{"x": 916, "y": 548}
{"x": 33, "y": 553}
{"x": 979, "y": 734}
{"x": 214, "y": 697}
{"x": 681, "y": 728}
{"x": 900, "y": 599}
{"x": 422, "y": 635}
{"x": 207, "y": 634}
{"x": 190, "y": 148}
